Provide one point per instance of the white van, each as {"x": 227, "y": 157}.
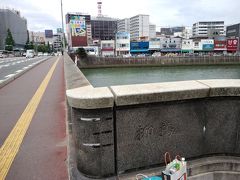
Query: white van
{"x": 30, "y": 53}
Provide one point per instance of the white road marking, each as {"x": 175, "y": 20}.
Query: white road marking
{"x": 10, "y": 75}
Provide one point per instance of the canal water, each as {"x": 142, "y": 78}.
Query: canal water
{"x": 138, "y": 75}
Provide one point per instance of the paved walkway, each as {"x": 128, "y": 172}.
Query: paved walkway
{"x": 33, "y": 136}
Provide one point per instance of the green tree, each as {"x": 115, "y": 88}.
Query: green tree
{"x": 42, "y": 48}
{"x": 81, "y": 53}
{"x": 48, "y": 47}
{"x": 9, "y": 42}
{"x": 27, "y": 42}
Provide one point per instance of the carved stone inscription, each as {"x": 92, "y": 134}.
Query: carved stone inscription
{"x": 147, "y": 131}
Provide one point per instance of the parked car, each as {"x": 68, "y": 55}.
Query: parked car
{"x": 40, "y": 54}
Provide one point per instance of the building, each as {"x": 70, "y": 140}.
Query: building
{"x": 185, "y": 34}
{"x": 171, "y": 45}
{"x": 205, "y": 29}
{"x": 57, "y": 42}
{"x": 103, "y": 28}
{"x": 78, "y": 29}
{"x": 11, "y": 19}
{"x": 233, "y": 33}
{"x": 37, "y": 37}
{"x": 123, "y": 25}
{"x": 187, "y": 46}
{"x": 152, "y": 31}
{"x": 154, "y": 45}
{"x": 139, "y": 27}
{"x": 122, "y": 43}
{"x": 107, "y": 48}
{"x": 171, "y": 30}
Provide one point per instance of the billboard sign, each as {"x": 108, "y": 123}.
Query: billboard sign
{"x": 207, "y": 44}
{"x": 48, "y": 33}
{"x": 78, "y": 25}
{"x": 232, "y": 44}
{"x": 219, "y": 45}
{"x": 139, "y": 46}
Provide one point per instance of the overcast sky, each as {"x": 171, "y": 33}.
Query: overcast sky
{"x": 46, "y": 14}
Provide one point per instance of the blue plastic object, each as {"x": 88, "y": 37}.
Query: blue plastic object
{"x": 153, "y": 178}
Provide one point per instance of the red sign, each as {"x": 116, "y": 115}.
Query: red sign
{"x": 232, "y": 44}
{"x": 219, "y": 45}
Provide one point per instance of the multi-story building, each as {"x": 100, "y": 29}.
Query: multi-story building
{"x": 103, "y": 28}
{"x": 12, "y": 20}
{"x": 107, "y": 48}
{"x": 123, "y": 25}
{"x": 78, "y": 29}
{"x": 139, "y": 27}
{"x": 233, "y": 31}
{"x": 152, "y": 31}
{"x": 205, "y": 29}
{"x": 233, "y": 35}
{"x": 172, "y": 45}
{"x": 122, "y": 43}
{"x": 57, "y": 42}
{"x": 37, "y": 37}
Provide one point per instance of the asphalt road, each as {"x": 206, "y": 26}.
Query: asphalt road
{"x": 12, "y": 66}
{"x": 41, "y": 154}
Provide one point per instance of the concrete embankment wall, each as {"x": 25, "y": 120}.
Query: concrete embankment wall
{"x": 121, "y": 128}
{"x": 94, "y": 62}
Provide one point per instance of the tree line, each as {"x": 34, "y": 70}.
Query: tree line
{"x": 10, "y": 43}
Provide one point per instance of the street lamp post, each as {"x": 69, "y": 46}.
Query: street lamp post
{"x": 63, "y": 38}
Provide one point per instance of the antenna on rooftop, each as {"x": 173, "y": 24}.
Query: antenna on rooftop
{"x": 99, "y": 5}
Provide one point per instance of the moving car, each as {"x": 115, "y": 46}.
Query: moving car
{"x": 30, "y": 53}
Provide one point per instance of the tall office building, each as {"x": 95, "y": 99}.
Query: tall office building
{"x": 139, "y": 27}
{"x": 12, "y": 20}
{"x": 208, "y": 29}
{"x": 103, "y": 28}
{"x": 123, "y": 25}
{"x": 78, "y": 29}
{"x": 152, "y": 31}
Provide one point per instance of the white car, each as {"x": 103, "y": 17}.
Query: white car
{"x": 30, "y": 53}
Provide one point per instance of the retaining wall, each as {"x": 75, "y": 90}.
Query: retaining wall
{"x": 94, "y": 62}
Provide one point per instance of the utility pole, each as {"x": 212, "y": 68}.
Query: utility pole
{"x": 63, "y": 38}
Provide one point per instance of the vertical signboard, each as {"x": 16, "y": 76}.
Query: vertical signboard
{"x": 232, "y": 45}
{"x": 78, "y": 26}
{"x": 48, "y": 33}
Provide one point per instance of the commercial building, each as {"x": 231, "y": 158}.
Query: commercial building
{"x": 208, "y": 29}
{"x": 171, "y": 45}
{"x": 103, "y": 28}
{"x": 11, "y": 19}
{"x": 139, "y": 27}
{"x": 122, "y": 43}
{"x": 187, "y": 46}
{"x": 123, "y": 25}
{"x": 78, "y": 29}
{"x": 107, "y": 48}
{"x": 233, "y": 34}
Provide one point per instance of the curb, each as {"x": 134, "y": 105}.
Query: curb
{"x": 10, "y": 79}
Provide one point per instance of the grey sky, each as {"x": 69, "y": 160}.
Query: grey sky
{"x": 46, "y": 14}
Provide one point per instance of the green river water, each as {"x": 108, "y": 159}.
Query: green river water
{"x": 138, "y": 75}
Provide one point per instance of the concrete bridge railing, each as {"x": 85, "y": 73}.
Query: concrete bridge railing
{"x": 120, "y": 128}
